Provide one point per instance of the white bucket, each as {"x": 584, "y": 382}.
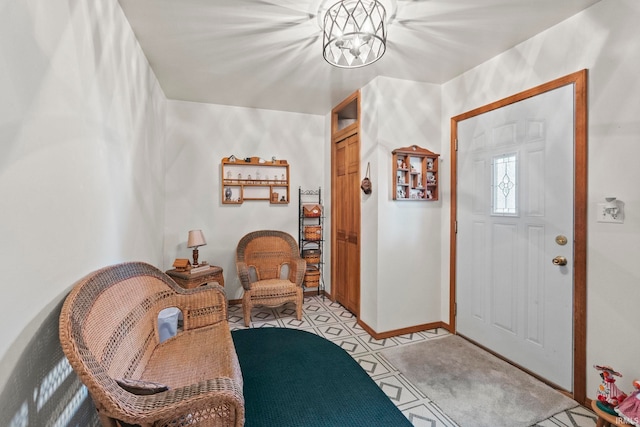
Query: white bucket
{"x": 168, "y": 323}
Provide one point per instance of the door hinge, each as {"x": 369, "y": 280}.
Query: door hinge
{"x": 455, "y": 309}
{"x": 455, "y": 227}
{"x": 456, "y": 144}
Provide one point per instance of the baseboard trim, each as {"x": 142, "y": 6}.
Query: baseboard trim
{"x": 314, "y": 293}
{"x": 402, "y": 331}
{"x": 370, "y": 330}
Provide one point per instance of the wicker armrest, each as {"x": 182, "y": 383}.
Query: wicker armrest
{"x": 243, "y": 274}
{"x": 202, "y": 306}
{"x": 209, "y": 397}
{"x": 298, "y": 268}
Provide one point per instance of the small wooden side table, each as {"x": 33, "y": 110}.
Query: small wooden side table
{"x": 605, "y": 419}
{"x": 190, "y": 281}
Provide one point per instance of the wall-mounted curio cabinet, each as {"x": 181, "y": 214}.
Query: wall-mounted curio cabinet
{"x": 415, "y": 174}
{"x": 254, "y": 178}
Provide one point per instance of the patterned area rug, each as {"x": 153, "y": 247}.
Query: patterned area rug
{"x": 296, "y": 378}
{"x": 475, "y": 388}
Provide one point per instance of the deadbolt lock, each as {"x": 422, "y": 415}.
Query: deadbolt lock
{"x": 561, "y": 240}
{"x": 559, "y": 260}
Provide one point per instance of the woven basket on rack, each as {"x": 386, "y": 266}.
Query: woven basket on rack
{"x": 311, "y": 210}
{"x": 312, "y": 256}
{"x": 312, "y": 232}
{"x": 312, "y": 277}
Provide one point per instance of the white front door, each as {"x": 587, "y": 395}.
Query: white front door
{"x": 514, "y": 211}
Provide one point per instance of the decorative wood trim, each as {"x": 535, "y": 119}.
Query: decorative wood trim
{"x": 338, "y": 134}
{"x": 580, "y": 239}
{"x": 414, "y": 150}
{"x": 453, "y": 226}
{"x": 579, "y": 80}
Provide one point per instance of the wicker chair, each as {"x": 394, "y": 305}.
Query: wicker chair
{"x": 109, "y": 333}
{"x": 271, "y": 271}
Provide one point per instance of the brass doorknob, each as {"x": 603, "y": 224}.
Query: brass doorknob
{"x": 559, "y": 260}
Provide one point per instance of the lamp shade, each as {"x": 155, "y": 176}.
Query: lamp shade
{"x": 196, "y": 238}
{"x": 354, "y": 33}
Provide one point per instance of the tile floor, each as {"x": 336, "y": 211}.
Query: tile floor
{"x": 332, "y": 321}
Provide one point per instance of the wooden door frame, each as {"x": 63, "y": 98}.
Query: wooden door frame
{"x": 336, "y": 136}
{"x": 579, "y": 80}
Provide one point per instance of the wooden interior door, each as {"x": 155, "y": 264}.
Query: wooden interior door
{"x": 346, "y": 220}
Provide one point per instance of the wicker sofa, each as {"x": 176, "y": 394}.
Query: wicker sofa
{"x": 109, "y": 333}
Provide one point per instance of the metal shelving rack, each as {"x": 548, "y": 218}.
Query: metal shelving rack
{"x": 306, "y": 197}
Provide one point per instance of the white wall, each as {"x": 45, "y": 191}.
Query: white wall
{"x": 603, "y": 39}
{"x": 400, "y": 270}
{"x": 198, "y": 137}
{"x": 82, "y": 161}
{"x": 82, "y": 167}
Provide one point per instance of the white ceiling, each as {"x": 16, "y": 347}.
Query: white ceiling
{"x": 268, "y": 53}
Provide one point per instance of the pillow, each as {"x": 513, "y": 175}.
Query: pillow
{"x": 141, "y": 387}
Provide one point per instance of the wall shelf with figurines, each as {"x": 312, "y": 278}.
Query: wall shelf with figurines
{"x": 415, "y": 174}
{"x": 254, "y": 178}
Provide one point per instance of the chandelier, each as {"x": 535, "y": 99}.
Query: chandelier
{"x": 354, "y": 33}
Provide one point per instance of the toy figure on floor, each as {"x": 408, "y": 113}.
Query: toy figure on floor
{"x": 629, "y": 410}
{"x": 609, "y": 395}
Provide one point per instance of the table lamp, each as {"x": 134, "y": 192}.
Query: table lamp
{"x": 195, "y": 240}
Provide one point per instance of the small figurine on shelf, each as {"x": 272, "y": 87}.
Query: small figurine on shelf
{"x": 421, "y": 194}
{"x": 629, "y": 410}
{"x": 283, "y": 199}
{"x": 429, "y": 195}
{"x": 609, "y": 395}
{"x": 429, "y": 164}
{"x": 227, "y": 194}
